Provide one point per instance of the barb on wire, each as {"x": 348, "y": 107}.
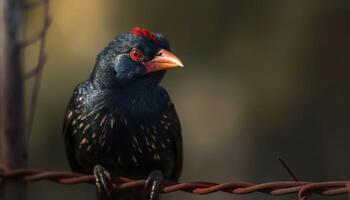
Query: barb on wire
{"x": 303, "y": 189}
{"x": 38, "y": 69}
{"x": 284, "y": 164}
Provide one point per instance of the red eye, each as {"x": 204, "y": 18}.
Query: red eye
{"x": 135, "y": 55}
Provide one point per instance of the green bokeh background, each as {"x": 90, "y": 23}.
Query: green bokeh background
{"x": 262, "y": 80}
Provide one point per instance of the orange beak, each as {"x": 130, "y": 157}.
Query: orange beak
{"x": 163, "y": 60}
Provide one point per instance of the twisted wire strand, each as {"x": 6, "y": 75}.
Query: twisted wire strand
{"x": 302, "y": 188}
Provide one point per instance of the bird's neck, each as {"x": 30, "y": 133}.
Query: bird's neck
{"x": 134, "y": 105}
{"x": 147, "y": 82}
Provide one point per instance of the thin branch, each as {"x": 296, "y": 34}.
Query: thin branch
{"x": 39, "y": 67}
{"x": 37, "y": 71}
{"x": 33, "y": 5}
{"x": 38, "y": 36}
{"x": 288, "y": 169}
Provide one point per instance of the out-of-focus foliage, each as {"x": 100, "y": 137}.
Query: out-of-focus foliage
{"x": 262, "y": 79}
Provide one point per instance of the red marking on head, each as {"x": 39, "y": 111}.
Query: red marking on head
{"x": 145, "y": 33}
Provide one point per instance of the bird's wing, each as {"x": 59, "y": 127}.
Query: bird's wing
{"x": 68, "y": 131}
{"x": 175, "y": 132}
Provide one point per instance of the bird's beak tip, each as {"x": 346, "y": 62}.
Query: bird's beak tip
{"x": 181, "y": 65}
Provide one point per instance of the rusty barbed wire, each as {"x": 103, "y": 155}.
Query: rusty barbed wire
{"x": 302, "y": 188}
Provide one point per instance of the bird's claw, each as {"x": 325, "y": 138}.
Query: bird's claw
{"x": 153, "y": 185}
{"x": 103, "y": 180}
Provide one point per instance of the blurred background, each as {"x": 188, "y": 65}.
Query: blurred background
{"x": 262, "y": 80}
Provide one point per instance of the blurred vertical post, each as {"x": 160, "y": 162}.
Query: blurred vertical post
{"x": 12, "y": 130}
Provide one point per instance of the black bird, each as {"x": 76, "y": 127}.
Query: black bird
{"x": 120, "y": 121}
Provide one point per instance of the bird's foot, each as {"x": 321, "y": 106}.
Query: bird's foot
{"x": 153, "y": 185}
{"x": 103, "y": 181}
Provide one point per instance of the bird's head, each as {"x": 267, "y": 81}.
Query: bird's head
{"x": 138, "y": 58}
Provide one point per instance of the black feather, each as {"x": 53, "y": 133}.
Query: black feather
{"x": 121, "y": 119}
